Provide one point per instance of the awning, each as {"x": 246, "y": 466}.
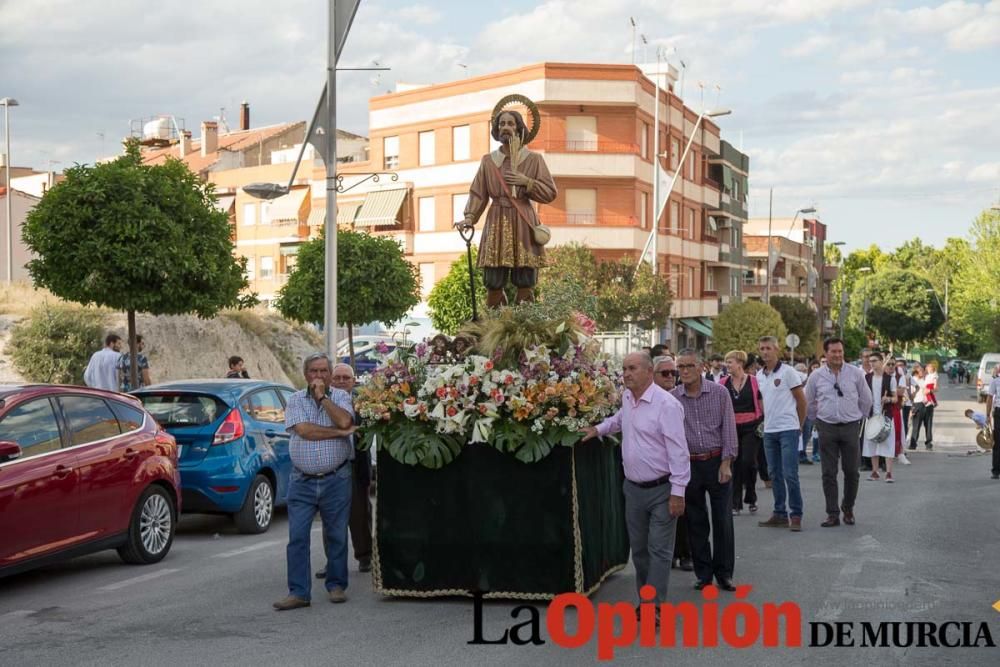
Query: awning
{"x": 225, "y": 203}
{"x": 707, "y": 321}
{"x": 290, "y": 249}
{"x": 317, "y": 217}
{"x": 380, "y": 208}
{"x": 696, "y": 325}
{"x": 288, "y": 207}
{"x": 346, "y": 213}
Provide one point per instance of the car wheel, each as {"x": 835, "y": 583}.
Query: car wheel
{"x": 258, "y": 507}
{"x": 151, "y": 528}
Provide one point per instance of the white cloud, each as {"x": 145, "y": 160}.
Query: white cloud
{"x": 965, "y": 26}
{"x": 985, "y": 173}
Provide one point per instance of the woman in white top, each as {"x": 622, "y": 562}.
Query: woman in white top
{"x": 917, "y": 395}
{"x": 883, "y": 388}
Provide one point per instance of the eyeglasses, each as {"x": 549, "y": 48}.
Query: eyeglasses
{"x": 683, "y": 366}
{"x": 837, "y": 387}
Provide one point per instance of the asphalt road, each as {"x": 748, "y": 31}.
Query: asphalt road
{"x": 924, "y": 549}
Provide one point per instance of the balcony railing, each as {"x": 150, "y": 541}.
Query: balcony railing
{"x": 559, "y": 218}
{"x": 595, "y": 146}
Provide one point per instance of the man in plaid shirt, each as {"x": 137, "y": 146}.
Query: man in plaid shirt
{"x": 320, "y": 420}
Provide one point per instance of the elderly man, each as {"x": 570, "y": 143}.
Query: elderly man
{"x": 320, "y": 420}
{"x": 784, "y": 414}
{"x": 665, "y": 372}
{"x": 657, "y": 470}
{"x": 710, "y": 431}
{"x": 665, "y": 375}
{"x": 838, "y": 396}
{"x": 361, "y": 503}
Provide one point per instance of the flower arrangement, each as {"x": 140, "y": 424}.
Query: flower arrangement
{"x": 527, "y": 384}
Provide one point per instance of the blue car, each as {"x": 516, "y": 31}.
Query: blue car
{"x": 233, "y": 448}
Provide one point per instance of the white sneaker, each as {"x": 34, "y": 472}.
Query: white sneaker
{"x": 902, "y": 459}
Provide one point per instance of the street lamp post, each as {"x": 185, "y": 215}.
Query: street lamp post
{"x": 7, "y": 103}
{"x": 767, "y": 285}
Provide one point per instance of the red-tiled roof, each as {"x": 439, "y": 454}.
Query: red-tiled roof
{"x": 234, "y": 141}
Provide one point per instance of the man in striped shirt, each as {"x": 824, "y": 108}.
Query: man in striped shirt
{"x": 320, "y": 420}
{"x": 710, "y": 431}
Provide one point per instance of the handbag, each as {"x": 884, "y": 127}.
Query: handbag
{"x": 540, "y": 233}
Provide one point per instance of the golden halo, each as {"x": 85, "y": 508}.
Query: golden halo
{"x": 517, "y": 98}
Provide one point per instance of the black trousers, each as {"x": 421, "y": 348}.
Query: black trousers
{"x": 838, "y": 446}
{"x": 923, "y": 414}
{"x": 996, "y": 441}
{"x": 745, "y": 469}
{"x": 360, "y": 522}
{"x": 682, "y": 543}
{"x": 762, "y": 463}
{"x": 719, "y": 559}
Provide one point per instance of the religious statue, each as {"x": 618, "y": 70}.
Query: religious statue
{"x": 512, "y": 177}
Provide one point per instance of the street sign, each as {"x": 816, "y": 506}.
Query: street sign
{"x": 792, "y": 341}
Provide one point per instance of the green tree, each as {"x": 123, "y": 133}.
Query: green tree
{"x": 626, "y": 296}
{"x": 137, "y": 238}
{"x": 54, "y": 343}
{"x": 872, "y": 259}
{"x": 974, "y": 306}
{"x": 572, "y": 274}
{"x": 375, "y": 283}
{"x": 800, "y": 319}
{"x": 740, "y": 325}
{"x": 900, "y": 308}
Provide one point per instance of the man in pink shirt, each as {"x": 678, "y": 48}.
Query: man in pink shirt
{"x": 657, "y": 470}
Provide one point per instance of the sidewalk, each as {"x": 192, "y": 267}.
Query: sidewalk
{"x": 953, "y": 432}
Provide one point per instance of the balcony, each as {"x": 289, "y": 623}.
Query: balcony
{"x": 595, "y": 146}
{"x": 587, "y": 219}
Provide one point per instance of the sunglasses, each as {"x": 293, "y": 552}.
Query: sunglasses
{"x": 667, "y": 374}
{"x": 837, "y": 387}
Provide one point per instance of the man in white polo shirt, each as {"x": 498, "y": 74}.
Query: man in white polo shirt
{"x": 784, "y": 413}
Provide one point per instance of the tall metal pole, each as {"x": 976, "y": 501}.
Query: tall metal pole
{"x": 767, "y": 285}
{"x": 330, "y": 290}
{"x": 10, "y": 219}
{"x": 656, "y": 160}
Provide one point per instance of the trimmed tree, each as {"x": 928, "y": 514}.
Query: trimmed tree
{"x": 740, "y": 325}
{"x": 799, "y": 318}
{"x": 137, "y": 238}
{"x": 375, "y": 283}
{"x": 900, "y": 307}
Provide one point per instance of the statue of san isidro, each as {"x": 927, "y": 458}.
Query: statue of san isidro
{"x": 513, "y": 177}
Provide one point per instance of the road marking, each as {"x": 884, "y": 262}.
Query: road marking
{"x": 245, "y": 550}
{"x": 996, "y": 605}
{"x": 22, "y": 613}
{"x": 137, "y": 580}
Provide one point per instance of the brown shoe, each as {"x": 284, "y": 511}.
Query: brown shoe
{"x": 774, "y": 522}
{"x": 795, "y": 524}
{"x": 337, "y": 595}
{"x": 290, "y": 602}
{"x": 831, "y": 521}
{"x": 848, "y": 516}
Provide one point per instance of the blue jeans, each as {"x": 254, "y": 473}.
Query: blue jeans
{"x": 331, "y": 497}
{"x": 807, "y": 432}
{"x": 782, "y": 452}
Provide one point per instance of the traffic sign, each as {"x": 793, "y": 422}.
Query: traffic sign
{"x": 792, "y": 341}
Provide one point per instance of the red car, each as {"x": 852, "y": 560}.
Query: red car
{"x": 82, "y": 470}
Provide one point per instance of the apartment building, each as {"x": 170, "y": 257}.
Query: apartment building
{"x": 731, "y": 170}
{"x": 597, "y": 125}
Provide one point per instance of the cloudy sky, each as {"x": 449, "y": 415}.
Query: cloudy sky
{"x": 883, "y": 115}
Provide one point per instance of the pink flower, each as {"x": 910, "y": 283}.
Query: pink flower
{"x": 441, "y": 392}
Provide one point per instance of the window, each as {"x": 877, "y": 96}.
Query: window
{"x": 264, "y": 406}
{"x": 426, "y": 148}
{"x": 460, "y": 143}
{"x": 675, "y": 217}
{"x": 266, "y": 267}
{"x": 183, "y": 409}
{"x": 643, "y": 212}
{"x": 690, "y": 223}
{"x": 734, "y": 238}
{"x": 250, "y": 268}
{"x": 90, "y": 419}
{"x": 710, "y": 280}
{"x": 736, "y": 189}
{"x": 33, "y": 426}
{"x": 426, "y": 279}
{"x": 581, "y": 133}
{"x": 458, "y": 203}
{"x": 249, "y": 214}
{"x": 689, "y": 286}
{"x": 390, "y": 149}
{"x": 692, "y": 162}
{"x": 425, "y": 214}
{"x": 734, "y": 285}
{"x": 130, "y": 418}
{"x": 581, "y": 206}
{"x": 265, "y": 212}
{"x": 675, "y": 153}
{"x": 644, "y": 140}
{"x": 675, "y": 280}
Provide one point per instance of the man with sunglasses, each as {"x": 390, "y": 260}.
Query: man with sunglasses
{"x": 665, "y": 372}
{"x": 838, "y": 397}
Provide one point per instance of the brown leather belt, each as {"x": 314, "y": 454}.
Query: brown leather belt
{"x": 705, "y": 457}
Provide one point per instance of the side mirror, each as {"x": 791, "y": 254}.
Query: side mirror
{"x": 9, "y": 451}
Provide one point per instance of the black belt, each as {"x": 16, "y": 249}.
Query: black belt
{"x": 653, "y": 483}
{"x": 321, "y": 475}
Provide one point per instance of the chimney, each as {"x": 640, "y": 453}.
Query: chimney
{"x": 209, "y": 137}
{"x": 184, "y": 144}
{"x": 244, "y": 116}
